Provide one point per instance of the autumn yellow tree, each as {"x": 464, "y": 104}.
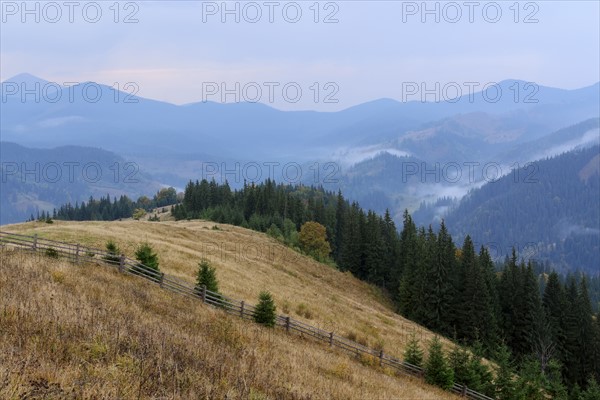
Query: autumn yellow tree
{"x": 313, "y": 240}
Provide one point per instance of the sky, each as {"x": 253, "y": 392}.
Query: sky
{"x": 302, "y": 55}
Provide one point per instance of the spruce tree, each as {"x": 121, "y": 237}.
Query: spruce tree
{"x": 570, "y": 327}
{"x": 148, "y": 262}
{"x": 437, "y": 370}
{"x": 489, "y": 326}
{"x": 587, "y": 346}
{"x": 113, "y": 251}
{"x": 460, "y": 362}
{"x": 440, "y": 289}
{"x": 207, "y": 277}
{"x": 413, "y": 354}
{"x": 553, "y": 303}
{"x": 592, "y": 392}
{"x": 504, "y": 382}
{"x": 264, "y": 312}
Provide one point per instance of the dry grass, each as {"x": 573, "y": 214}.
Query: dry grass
{"x": 248, "y": 262}
{"x": 87, "y": 332}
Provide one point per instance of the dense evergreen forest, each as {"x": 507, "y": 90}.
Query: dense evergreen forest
{"x": 544, "y": 321}
{"x": 550, "y": 206}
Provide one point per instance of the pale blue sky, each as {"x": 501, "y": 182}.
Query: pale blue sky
{"x": 367, "y": 54}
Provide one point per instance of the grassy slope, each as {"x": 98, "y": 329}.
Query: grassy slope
{"x": 246, "y": 262}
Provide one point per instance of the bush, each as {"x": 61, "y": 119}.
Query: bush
{"x": 437, "y": 371}
{"x": 113, "y": 255}
{"x": 303, "y": 311}
{"x": 138, "y": 213}
{"x": 275, "y": 232}
{"x": 51, "y": 252}
{"x": 148, "y": 261}
{"x": 265, "y": 310}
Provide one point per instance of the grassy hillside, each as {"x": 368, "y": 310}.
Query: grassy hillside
{"x": 157, "y": 327}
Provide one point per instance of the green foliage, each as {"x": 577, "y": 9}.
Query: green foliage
{"x": 207, "y": 277}
{"x": 265, "y": 310}
{"x": 51, "y": 252}
{"x": 504, "y": 383}
{"x": 413, "y": 354}
{"x": 275, "y": 232}
{"x": 313, "y": 240}
{"x": 592, "y": 392}
{"x": 113, "y": 251}
{"x": 148, "y": 261}
{"x": 138, "y": 213}
{"x": 460, "y": 362}
{"x": 437, "y": 370}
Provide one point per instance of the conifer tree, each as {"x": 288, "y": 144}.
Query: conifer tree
{"x": 207, "y": 277}
{"x": 264, "y": 312}
{"x": 113, "y": 251}
{"x": 437, "y": 370}
{"x": 413, "y": 354}
{"x": 553, "y": 303}
{"x": 148, "y": 262}
{"x": 504, "y": 382}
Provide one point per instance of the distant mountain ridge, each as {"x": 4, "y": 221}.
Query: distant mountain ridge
{"x": 121, "y": 121}
{"x": 549, "y": 212}
{"x": 35, "y": 180}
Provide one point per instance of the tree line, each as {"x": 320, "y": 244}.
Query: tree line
{"x": 104, "y": 209}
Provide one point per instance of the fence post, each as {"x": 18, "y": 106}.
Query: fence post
{"x": 77, "y": 254}
{"x": 242, "y": 309}
{"x": 122, "y": 263}
{"x": 204, "y": 293}
{"x": 380, "y": 358}
{"x": 287, "y": 324}
{"x": 331, "y": 338}
{"x": 162, "y": 278}
{"x": 463, "y": 392}
{"x": 35, "y": 237}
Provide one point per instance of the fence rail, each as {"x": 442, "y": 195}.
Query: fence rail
{"x": 78, "y": 254}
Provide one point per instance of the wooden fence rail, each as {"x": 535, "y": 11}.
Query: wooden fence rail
{"x": 78, "y": 253}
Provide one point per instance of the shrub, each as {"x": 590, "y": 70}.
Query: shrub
{"x": 275, "y": 232}
{"x": 51, "y": 252}
{"x": 138, "y": 213}
{"x": 265, "y": 310}
{"x": 303, "y": 311}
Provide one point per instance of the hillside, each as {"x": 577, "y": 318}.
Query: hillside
{"x": 547, "y": 210}
{"x": 301, "y": 287}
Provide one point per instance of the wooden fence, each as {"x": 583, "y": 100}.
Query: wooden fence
{"x": 79, "y": 254}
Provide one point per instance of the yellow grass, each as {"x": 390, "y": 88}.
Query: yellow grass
{"x": 248, "y": 262}
{"x": 87, "y": 332}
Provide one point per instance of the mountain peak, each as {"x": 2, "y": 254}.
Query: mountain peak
{"x": 27, "y": 79}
